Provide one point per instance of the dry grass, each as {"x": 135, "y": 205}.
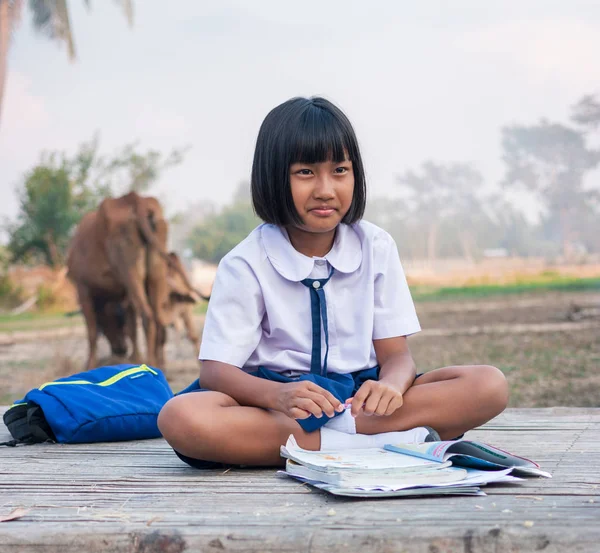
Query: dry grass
{"x": 543, "y": 368}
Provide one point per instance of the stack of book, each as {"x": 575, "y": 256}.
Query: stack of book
{"x": 434, "y": 468}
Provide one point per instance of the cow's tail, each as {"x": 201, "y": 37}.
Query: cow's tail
{"x": 143, "y": 218}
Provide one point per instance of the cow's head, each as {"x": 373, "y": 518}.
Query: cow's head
{"x": 180, "y": 288}
{"x": 111, "y": 320}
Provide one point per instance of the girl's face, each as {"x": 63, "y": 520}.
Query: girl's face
{"x": 322, "y": 193}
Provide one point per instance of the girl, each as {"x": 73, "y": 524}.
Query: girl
{"x": 306, "y": 330}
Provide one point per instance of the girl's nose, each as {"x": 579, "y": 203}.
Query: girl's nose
{"x": 324, "y": 188}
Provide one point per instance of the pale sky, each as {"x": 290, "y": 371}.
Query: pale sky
{"x": 419, "y": 80}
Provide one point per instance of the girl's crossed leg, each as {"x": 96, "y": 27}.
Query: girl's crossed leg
{"x": 212, "y": 426}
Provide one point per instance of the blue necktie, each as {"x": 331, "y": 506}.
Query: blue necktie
{"x": 318, "y": 309}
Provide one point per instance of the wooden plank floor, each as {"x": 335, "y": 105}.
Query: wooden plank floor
{"x": 137, "y": 497}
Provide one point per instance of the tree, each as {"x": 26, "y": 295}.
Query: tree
{"x": 50, "y": 18}
{"x": 220, "y": 232}
{"x": 586, "y": 112}
{"x": 440, "y": 196}
{"x": 46, "y": 215}
{"x": 54, "y": 196}
{"x": 394, "y": 215}
{"x": 508, "y": 228}
{"x": 551, "y": 159}
{"x": 59, "y": 190}
{"x": 133, "y": 171}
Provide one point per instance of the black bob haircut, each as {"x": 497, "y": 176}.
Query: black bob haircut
{"x": 306, "y": 130}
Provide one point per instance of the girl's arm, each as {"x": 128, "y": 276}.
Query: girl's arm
{"x": 397, "y": 366}
{"x": 396, "y": 375}
{"x": 296, "y": 399}
{"x": 244, "y": 388}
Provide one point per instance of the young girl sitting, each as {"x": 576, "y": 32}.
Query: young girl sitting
{"x": 306, "y": 330}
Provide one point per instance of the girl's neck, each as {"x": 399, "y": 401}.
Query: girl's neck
{"x": 311, "y": 244}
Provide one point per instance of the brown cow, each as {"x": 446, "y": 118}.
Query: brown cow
{"x": 180, "y": 301}
{"x": 118, "y": 253}
{"x": 179, "y": 308}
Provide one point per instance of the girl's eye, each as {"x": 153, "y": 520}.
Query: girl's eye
{"x": 341, "y": 170}
{"x": 304, "y": 172}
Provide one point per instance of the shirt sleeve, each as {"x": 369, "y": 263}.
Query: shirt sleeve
{"x": 394, "y": 310}
{"x": 232, "y": 328}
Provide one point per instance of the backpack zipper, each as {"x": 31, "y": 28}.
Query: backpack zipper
{"x": 108, "y": 381}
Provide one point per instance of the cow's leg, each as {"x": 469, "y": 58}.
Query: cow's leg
{"x": 158, "y": 293}
{"x": 128, "y": 258}
{"x": 134, "y": 278}
{"x": 131, "y": 331}
{"x": 188, "y": 320}
{"x": 140, "y": 304}
{"x": 89, "y": 314}
{"x": 161, "y": 339}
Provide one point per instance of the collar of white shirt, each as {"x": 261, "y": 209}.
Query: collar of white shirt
{"x": 345, "y": 256}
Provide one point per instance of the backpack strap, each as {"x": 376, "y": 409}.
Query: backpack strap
{"x": 27, "y": 425}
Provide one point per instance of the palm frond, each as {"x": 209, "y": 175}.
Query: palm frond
{"x": 43, "y": 17}
{"x": 64, "y": 27}
{"x": 127, "y": 6}
{"x": 51, "y": 18}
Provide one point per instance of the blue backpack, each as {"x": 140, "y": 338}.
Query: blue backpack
{"x": 113, "y": 403}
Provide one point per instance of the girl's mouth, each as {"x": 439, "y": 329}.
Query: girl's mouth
{"x": 323, "y": 212}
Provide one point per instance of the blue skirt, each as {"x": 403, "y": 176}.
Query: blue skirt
{"x": 342, "y": 386}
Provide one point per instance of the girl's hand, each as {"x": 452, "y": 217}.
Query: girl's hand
{"x": 376, "y": 397}
{"x": 300, "y": 400}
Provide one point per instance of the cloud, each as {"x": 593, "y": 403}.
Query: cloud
{"x": 560, "y": 51}
{"x": 23, "y": 111}
{"x": 155, "y": 121}
{"x": 23, "y": 128}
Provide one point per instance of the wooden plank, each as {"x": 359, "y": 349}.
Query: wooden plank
{"x": 138, "y": 497}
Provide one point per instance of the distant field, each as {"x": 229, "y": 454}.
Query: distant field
{"x": 37, "y": 321}
{"x": 544, "y": 282}
{"x": 526, "y": 332}
{"x": 531, "y": 285}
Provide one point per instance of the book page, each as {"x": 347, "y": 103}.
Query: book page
{"x": 470, "y": 454}
{"x": 433, "y": 451}
{"x": 371, "y": 459}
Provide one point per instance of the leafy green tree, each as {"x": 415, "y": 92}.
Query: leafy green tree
{"x": 51, "y": 203}
{"x": 133, "y": 171}
{"x": 58, "y": 191}
{"x": 551, "y": 160}
{"x": 46, "y": 215}
{"x": 220, "y": 232}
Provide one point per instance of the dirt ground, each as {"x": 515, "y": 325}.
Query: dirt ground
{"x": 547, "y": 359}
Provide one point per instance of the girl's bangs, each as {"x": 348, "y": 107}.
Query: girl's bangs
{"x": 320, "y": 137}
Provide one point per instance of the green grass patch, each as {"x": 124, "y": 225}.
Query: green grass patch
{"x": 37, "y": 321}
{"x": 200, "y": 308}
{"x": 556, "y": 283}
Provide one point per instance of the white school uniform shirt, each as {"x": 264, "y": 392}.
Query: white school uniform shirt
{"x": 259, "y": 312}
